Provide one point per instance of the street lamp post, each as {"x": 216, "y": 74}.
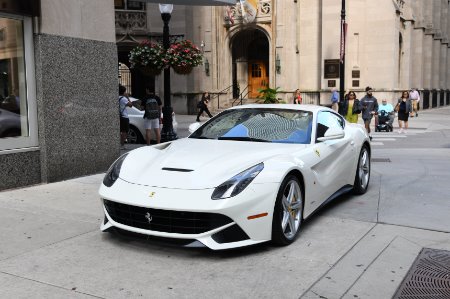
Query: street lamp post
{"x": 167, "y": 133}
{"x": 342, "y": 54}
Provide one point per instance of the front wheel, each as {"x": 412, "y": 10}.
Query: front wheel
{"x": 288, "y": 212}
{"x": 362, "y": 176}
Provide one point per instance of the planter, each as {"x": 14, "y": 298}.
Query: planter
{"x": 150, "y": 71}
{"x": 182, "y": 70}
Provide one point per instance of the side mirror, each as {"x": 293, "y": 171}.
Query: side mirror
{"x": 193, "y": 127}
{"x": 332, "y": 134}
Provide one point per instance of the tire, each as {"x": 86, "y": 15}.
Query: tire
{"x": 362, "y": 176}
{"x": 134, "y": 136}
{"x": 291, "y": 212}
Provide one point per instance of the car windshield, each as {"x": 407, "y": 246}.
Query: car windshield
{"x": 259, "y": 125}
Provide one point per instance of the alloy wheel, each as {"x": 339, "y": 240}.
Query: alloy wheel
{"x": 292, "y": 203}
{"x": 364, "y": 168}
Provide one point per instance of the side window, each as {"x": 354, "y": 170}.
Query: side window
{"x": 326, "y": 120}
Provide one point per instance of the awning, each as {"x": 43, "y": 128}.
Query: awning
{"x": 193, "y": 2}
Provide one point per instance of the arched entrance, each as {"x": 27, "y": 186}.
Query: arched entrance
{"x": 250, "y": 50}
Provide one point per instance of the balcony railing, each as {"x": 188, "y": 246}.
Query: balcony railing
{"x": 130, "y": 21}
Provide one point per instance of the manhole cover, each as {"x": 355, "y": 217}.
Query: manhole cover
{"x": 428, "y": 278}
{"x": 386, "y": 160}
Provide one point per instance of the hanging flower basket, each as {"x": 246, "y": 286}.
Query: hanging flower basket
{"x": 149, "y": 71}
{"x": 149, "y": 58}
{"x": 183, "y": 56}
{"x": 182, "y": 70}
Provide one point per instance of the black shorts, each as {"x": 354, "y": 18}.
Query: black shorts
{"x": 124, "y": 124}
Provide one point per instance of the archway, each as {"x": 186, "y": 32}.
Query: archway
{"x": 250, "y": 50}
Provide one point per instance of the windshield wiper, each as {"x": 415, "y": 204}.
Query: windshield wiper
{"x": 241, "y": 138}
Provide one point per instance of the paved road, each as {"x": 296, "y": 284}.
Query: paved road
{"x": 357, "y": 247}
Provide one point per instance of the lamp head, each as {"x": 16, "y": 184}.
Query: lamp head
{"x": 166, "y": 8}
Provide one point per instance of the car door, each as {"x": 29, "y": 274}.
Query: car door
{"x": 334, "y": 158}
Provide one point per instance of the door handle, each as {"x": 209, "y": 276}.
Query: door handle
{"x": 352, "y": 143}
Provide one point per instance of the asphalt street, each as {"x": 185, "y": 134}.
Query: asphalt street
{"x": 356, "y": 247}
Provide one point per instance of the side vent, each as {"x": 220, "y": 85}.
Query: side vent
{"x": 162, "y": 146}
{"x": 177, "y": 169}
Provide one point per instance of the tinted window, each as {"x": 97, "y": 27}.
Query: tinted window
{"x": 326, "y": 120}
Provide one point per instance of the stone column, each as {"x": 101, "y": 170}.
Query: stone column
{"x": 406, "y": 56}
{"x": 417, "y": 58}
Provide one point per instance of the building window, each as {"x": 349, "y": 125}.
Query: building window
{"x": 128, "y": 5}
{"x": 18, "y": 119}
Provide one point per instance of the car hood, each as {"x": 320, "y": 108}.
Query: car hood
{"x": 196, "y": 163}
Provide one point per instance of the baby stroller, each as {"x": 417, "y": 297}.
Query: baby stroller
{"x": 385, "y": 121}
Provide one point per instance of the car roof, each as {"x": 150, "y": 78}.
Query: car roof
{"x": 312, "y": 108}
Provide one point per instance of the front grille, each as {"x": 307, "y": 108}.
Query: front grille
{"x": 165, "y": 220}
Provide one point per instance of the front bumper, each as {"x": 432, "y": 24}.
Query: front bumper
{"x": 256, "y": 199}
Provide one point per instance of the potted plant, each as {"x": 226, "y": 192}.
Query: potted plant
{"x": 182, "y": 56}
{"x": 268, "y": 95}
{"x": 148, "y": 57}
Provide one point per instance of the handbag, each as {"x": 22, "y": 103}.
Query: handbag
{"x": 397, "y": 107}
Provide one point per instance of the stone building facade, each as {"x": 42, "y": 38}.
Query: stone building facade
{"x": 58, "y": 90}
{"x": 392, "y": 45}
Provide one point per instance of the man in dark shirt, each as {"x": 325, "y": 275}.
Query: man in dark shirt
{"x": 368, "y": 106}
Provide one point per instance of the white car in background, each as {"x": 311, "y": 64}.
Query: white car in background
{"x": 136, "y": 133}
{"x": 250, "y": 174}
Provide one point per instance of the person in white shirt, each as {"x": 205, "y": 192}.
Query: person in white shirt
{"x": 415, "y": 98}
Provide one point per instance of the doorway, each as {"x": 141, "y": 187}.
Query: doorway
{"x": 250, "y": 62}
{"x": 258, "y": 77}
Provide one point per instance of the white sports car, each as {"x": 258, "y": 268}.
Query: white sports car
{"x": 251, "y": 174}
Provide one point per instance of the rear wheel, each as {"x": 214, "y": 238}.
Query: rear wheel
{"x": 288, "y": 212}
{"x": 362, "y": 176}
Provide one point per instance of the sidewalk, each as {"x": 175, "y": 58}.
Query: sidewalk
{"x": 356, "y": 247}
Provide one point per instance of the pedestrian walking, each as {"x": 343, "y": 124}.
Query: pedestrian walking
{"x": 297, "y": 97}
{"x": 369, "y": 107}
{"x": 203, "y": 105}
{"x": 404, "y": 108}
{"x": 415, "y": 98}
{"x": 124, "y": 102}
{"x": 334, "y": 100}
{"x": 152, "y": 116}
{"x": 350, "y": 107}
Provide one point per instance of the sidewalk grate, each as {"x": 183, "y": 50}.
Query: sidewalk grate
{"x": 385, "y": 160}
{"x": 428, "y": 278}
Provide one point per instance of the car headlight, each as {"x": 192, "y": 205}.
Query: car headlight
{"x": 113, "y": 172}
{"x": 238, "y": 183}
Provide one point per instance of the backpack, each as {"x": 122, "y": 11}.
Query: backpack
{"x": 151, "y": 109}
{"x": 356, "y": 109}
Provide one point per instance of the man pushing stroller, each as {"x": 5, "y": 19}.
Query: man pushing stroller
{"x": 385, "y": 118}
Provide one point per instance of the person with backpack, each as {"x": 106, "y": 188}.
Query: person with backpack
{"x": 124, "y": 102}
{"x": 203, "y": 105}
{"x": 152, "y": 116}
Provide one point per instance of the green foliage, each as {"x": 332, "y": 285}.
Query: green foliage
{"x": 268, "y": 95}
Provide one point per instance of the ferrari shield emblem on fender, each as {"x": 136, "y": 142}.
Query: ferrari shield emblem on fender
{"x": 151, "y": 194}
{"x": 317, "y": 153}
